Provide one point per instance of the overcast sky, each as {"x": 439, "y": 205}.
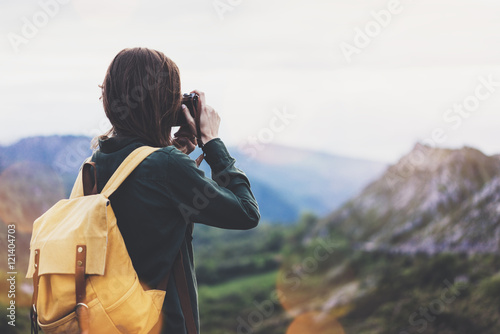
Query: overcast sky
{"x": 358, "y": 78}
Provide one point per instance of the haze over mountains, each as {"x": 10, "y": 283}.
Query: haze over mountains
{"x": 432, "y": 200}
{"x": 286, "y": 181}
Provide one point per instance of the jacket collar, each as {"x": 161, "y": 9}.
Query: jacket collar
{"x": 116, "y": 143}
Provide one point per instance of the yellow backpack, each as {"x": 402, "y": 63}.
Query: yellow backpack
{"x": 83, "y": 278}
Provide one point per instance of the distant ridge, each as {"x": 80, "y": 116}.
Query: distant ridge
{"x": 286, "y": 181}
{"x": 432, "y": 200}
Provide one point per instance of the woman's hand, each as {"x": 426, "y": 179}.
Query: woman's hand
{"x": 209, "y": 119}
{"x": 185, "y": 138}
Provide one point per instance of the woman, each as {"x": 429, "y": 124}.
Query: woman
{"x": 156, "y": 205}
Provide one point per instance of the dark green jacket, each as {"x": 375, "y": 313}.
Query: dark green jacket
{"x": 157, "y": 202}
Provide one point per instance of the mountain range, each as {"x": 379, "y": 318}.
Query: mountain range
{"x": 432, "y": 200}
{"x": 37, "y": 171}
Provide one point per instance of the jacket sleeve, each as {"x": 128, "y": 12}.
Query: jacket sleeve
{"x": 225, "y": 201}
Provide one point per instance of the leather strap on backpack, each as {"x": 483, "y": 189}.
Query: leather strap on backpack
{"x": 182, "y": 291}
{"x": 81, "y": 310}
{"x": 89, "y": 187}
{"x": 182, "y": 288}
{"x": 34, "y": 298}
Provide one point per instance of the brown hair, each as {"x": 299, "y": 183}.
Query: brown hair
{"x": 141, "y": 94}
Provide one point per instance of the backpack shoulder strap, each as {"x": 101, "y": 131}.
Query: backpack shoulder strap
{"x": 126, "y": 167}
{"x": 77, "y": 190}
{"x": 182, "y": 291}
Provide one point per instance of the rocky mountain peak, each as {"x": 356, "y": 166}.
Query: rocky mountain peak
{"x": 421, "y": 198}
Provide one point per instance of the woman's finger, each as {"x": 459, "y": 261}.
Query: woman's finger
{"x": 190, "y": 120}
{"x": 202, "y": 98}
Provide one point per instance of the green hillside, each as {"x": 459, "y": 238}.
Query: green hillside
{"x": 356, "y": 291}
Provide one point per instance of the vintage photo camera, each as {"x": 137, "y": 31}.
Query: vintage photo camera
{"x": 191, "y": 101}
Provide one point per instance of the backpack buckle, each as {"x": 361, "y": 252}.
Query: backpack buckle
{"x": 83, "y": 317}
{"x": 81, "y": 304}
